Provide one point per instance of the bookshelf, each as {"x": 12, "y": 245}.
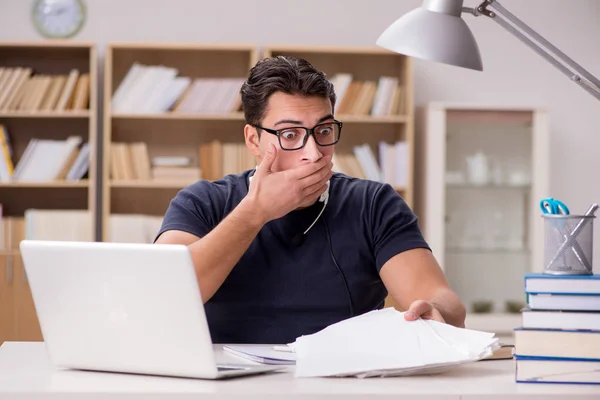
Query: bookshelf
{"x": 47, "y": 158}
{"x": 375, "y": 102}
{"x": 160, "y": 132}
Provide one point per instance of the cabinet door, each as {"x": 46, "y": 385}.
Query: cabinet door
{"x": 8, "y": 324}
{"x": 28, "y": 327}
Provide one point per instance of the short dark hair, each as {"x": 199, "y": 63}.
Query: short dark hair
{"x": 287, "y": 74}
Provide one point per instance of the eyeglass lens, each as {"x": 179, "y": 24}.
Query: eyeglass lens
{"x": 324, "y": 134}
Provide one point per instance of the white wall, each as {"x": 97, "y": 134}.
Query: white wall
{"x": 513, "y": 73}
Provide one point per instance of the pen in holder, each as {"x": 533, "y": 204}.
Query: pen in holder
{"x": 569, "y": 240}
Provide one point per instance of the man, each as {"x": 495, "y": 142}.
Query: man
{"x": 290, "y": 248}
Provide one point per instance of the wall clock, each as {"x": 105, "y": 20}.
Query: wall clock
{"x": 58, "y": 18}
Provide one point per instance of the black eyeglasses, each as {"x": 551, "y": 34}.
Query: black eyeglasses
{"x": 295, "y": 137}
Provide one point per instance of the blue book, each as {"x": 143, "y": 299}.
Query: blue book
{"x": 539, "y": 283}
{"x": 564, "y": 302}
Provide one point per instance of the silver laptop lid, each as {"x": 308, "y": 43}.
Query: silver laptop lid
{"x": 120, "y": 307}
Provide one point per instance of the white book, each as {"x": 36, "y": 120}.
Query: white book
{"x": 368, "y": 162}
{"x": 401, "y": 163}
{"x": 173, "y": 92}
{"x": 125, "y": 86}
{"x": 383, "y": 96}
{"x": 81, "y": 164}
{"x": 139, "y": 90}
{"x": 550, "y": 319}
{"x": 564, "y": 302}
{"x": 164, "y": 79}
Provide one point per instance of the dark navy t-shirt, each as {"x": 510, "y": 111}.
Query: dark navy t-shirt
{"x": 282, "y": 287}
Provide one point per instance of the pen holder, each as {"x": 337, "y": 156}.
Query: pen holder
{"x": 568, "y": 244}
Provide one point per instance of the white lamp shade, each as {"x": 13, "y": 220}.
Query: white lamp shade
{"x": 433, "y": 36}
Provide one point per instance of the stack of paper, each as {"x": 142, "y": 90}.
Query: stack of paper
{"x": 383, "y": 343}
{"x": 261, "y": 354}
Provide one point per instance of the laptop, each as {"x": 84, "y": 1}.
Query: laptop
{"x": 120, "y": 307}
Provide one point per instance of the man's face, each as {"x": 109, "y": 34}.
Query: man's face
{"x": 285, "y": 111}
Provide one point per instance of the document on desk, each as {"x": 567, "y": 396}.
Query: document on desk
{"x": 262, "y": 354}
{"x": 383, "y": 343}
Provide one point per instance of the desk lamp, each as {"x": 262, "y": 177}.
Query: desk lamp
{"x": 436, "y": 32}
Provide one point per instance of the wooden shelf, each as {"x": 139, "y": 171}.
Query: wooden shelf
{"x": 49, "y": 185}
{"x": 45, "y": 114}
{"x": 392, "y": 119}
{"x": 181, "y": 116}
{"x": 139, "y": 184}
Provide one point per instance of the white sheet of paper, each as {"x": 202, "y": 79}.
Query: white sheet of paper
{"x": 382, "y": 342}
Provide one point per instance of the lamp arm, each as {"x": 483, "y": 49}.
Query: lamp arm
{"x": 554, "y": 56}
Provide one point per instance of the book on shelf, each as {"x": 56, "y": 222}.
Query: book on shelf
{"x": 76, "y": 225}
{"x": 559, "y": 337}
{"x": 216, "y": 159}
{"x": 150, "y": 89}
{"x": 133, "y": 228}
{"x": 40, "y": 224}
{"x": 22, "y": 89}
{"x": 48, "y": 160}
{"x": 391, "y": 165}
{"x": 7, "y": 167}
{"x": 368, "y": 97}
{"x": 13, "y": 231}
{"x": 131, "y": 162}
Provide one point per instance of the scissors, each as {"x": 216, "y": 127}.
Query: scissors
{"x": 552, "y": 206}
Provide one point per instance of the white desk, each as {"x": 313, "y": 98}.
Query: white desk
{"x": 26, "y": 373}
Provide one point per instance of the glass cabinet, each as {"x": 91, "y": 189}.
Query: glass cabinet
{"x": 481, "y": 174}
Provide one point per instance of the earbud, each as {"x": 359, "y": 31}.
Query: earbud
{"x": 325, "y": 196}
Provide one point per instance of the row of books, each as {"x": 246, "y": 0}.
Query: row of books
{"x": 131, "y": 161}
{"x": 76, "y": 225}
{"x": 368, "y": 97}
{"x": 392, "y": 165}
{"x": 158, "y": 89}
{"x": 559, "y": 338}
{"x": 21, "y": 89}
{"x": 44, "y": 160}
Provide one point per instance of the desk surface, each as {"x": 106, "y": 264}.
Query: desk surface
{"x": 26, "y": 371}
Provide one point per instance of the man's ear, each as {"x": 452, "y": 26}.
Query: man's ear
{"x": 252, "y": 140}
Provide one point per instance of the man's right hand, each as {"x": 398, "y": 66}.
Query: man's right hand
{"x": 274, "y": 194}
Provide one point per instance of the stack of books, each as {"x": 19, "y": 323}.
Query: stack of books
{"x": 559, "y": 338}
